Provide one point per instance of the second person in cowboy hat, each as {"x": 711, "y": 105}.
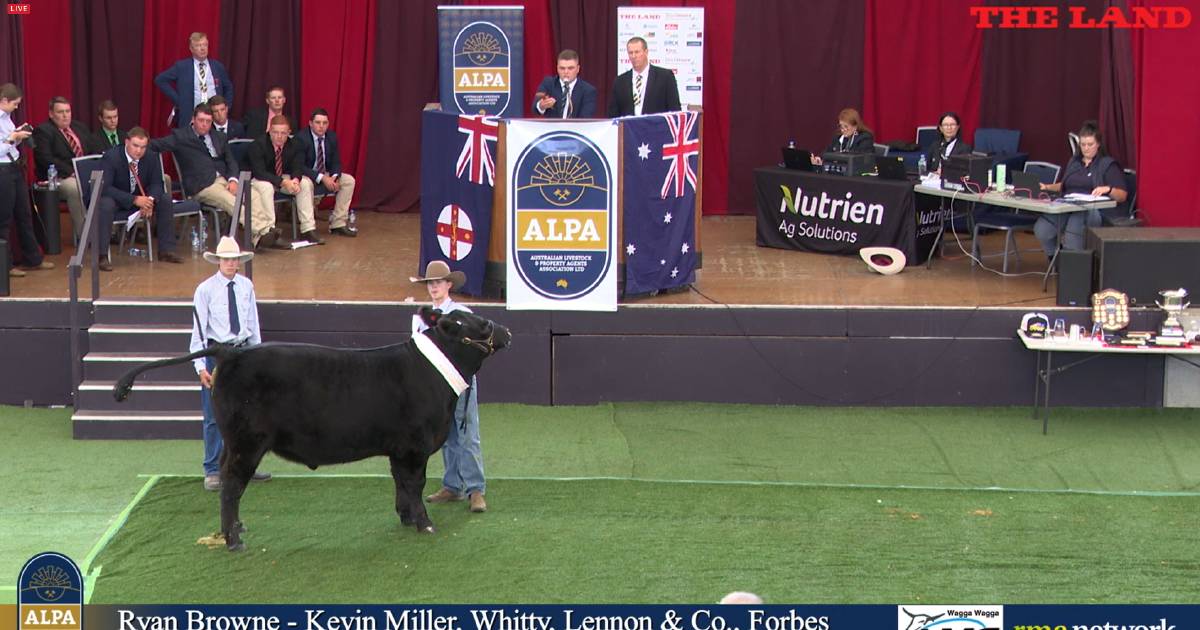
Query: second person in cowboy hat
{"x": 461, "y": 453}
{"x": 224, "y": 311}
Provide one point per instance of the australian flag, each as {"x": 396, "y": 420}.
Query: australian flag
{"x": 662, "y": 154}
{"x": 457, "y": 178}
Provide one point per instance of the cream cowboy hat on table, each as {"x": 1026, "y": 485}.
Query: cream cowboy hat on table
{"x": 439, "y": 270}
{"x": 227, "y": 248}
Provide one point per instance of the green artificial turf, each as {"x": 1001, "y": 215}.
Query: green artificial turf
{"x": 63, "y": 494}
{"x": 337, "y": 540}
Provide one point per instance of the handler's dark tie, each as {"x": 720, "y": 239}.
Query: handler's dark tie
{"x": 235, "y": 326}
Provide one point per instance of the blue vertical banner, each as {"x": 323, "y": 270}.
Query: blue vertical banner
{"x": 458, "y": 172}
{"x": 661, "y": 157}
{"x": 481, "y": 57}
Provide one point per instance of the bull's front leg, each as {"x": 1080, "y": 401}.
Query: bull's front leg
{"x": 408, "y": 472}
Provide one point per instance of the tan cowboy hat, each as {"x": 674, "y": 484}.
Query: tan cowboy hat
{"x": 228, "y": 248}
{"x": 888, "y": 261}
{"x": 439, "y": 270}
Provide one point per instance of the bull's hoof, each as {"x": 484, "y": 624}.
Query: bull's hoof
{"x": 238, "y": 546}
{"x": 428, "y": 529}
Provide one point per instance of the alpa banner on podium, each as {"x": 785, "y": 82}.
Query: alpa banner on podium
{"x": 562, "y": 215}
{"x": 481, "y": 57}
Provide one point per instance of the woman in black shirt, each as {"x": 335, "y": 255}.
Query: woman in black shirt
{"x": 1091, "y": 172}
{"x": 853, "y": 136}
{"x": 948, "y": 142}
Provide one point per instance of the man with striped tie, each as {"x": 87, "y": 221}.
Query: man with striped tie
{"x": 277, "y": 165}
{"x": 645, "y": 89}
{"x": 194, "y": 80}
{"x": 58, "y": 141}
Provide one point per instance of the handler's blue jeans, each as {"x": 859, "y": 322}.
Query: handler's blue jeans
{"x": 212, "y": 436}
{"x": 461, "y": 453}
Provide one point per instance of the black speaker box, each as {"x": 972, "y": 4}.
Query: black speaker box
{"x": 1076, "y": 277}
{"x": 1143, "y": 261}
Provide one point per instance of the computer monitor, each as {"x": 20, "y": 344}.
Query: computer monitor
{"x": 796, "y": 159}
{"x": 848, "y": 164}
{"x": 891, "y": 167}
{"x": 958, "y": 170}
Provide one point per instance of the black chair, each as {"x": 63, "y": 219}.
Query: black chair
{"x": 881, "y": 150}
{"x": 926, "y": 136}
{"x": 1011, "y": 221}
{"x": 84, "y": 167}
{"x": 1131, "y": 219}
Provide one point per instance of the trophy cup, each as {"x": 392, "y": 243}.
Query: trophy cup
{"x": 1173, "y": 302}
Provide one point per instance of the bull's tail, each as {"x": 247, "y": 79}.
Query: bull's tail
{"x": 125, "y": 383}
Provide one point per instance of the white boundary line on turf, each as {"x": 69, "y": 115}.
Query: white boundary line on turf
{"x": 790, "y": 484}
{"x": 111, "y": 532}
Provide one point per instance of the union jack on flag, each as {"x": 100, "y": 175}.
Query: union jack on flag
{"x": 476, "y": 157}
{"x": 683, "y": 145}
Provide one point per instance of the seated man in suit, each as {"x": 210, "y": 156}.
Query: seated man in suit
{"x": 209, "y": 171}
{"x": 277, "y": 164}
{"x": 133, "y": 182}
{"x": 645, "y": 89}
{"x": 192, "y": 81}
{"x": 221, "y": 120}
{"x": 323, "y": 165}
{"x": 258, "y": 121}
{"x": 109, "y": 134}
{"x": 57, "y": 141}
{"x": 580, "y": 96}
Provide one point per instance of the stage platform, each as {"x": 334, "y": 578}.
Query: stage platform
{"x": 375, "y": 267}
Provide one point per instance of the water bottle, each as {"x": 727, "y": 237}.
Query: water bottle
{"x": 203, "y": 231}
{"x": 922, "y": 166}
{"x": 197, "y": 243}
{"x": 352, "y": 221}
{"x": 52, "y": 177}
{"x": 137, "y": 252}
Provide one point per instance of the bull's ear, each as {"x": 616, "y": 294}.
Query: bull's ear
{"x": 430, "y": 316}
{"x": 450, "y": 326}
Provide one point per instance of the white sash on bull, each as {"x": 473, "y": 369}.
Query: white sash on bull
{"x": 441, "y": 363}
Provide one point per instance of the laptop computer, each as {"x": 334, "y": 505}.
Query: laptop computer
{"x": 891, "y": 167}
{"x": 1023, "y": 181}
{"x": 796, "y": 159}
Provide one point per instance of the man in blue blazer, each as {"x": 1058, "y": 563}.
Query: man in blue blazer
{"x": 645, "y": 89}
{"x": 133, "y": 182}
{"x": 221, "y": 120}
{"x": 323, "y": 165}
{"x": 566, "y": 96}
{"x": 189, "y": 82}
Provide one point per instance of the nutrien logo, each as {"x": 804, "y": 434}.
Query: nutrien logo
{"x": 949, "y": 617}
{"x": 50, "y": 594}
{"x": 1079, "y": 17}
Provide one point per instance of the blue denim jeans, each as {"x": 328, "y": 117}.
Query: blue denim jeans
{"x": 461, "y": 453}
{"x": 212, "y": 436}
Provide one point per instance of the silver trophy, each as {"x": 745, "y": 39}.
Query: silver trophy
{"x": 1173, "y": 302}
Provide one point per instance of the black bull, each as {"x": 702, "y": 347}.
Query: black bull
{"x": 318, "y": 406}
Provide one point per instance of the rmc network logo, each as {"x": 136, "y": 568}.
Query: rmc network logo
{"x": 949, "y": 617}
{"x": 1080, "y": 17}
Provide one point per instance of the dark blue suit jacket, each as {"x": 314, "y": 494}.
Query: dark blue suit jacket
{"x": 333, "y": 157}
{"x": 235, "y": 129}
{"x": 583, "y": 98}
{"x": 662, "y": 93}
{"x": 179, "y": 84}
{"x": 116, "y": 177}
{"x": 199, "y": 168}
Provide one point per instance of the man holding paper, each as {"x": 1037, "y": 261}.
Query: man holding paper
{"x": 133, "y": 183}
{"x": 565, "y": 96}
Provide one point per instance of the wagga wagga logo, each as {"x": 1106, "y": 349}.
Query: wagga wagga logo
{"x": 482, "y": 67}
{"x": 50, "y": 594}
{"x": 563, "y": 224}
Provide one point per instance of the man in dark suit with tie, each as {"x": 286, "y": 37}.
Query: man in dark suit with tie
{"x": 277, "y": 164}
{"x": 109, "y": 134}
{"x": 323, "y": 165}
{"x": 565, "y": 96}
{"x": 133, "y": 182}
{"x": 58, "y": 141}
{"x": 209, "y": 172}
{"x": 189, "y": 82}
{"x": 221, "y": 120}
{"x": 645, "y": 89}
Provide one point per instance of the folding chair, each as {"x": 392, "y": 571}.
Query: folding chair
{"x": 926, "y": 136}
{"x": 881, "y": 149}
{"x": 1131, "y": 219}
{"x": 1011, "y": 221}
{"x": 84, "y": 167}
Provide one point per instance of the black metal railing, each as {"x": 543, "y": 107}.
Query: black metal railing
{"x": 89, "y": 243}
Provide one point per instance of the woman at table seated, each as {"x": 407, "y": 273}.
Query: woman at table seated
{"x": 853, "y": 136}
{"x": 1091, "y": 172}
{"x": 948, "y": 142}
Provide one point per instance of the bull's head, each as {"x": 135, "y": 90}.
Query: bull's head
{"x": 468, "y": 329}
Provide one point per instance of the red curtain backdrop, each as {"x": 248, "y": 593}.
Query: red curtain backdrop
{"x": 800, "y": 63}
{"x": 338, "y": 61}
{"x": 262, "y": 49}
{"x": 165, "y": 41}
{"x": 12, "y": 61}
{"x": 1167, "y": 125}
{"x": 1116, "y": 93}
{"x": 589, "y": 27}
{"x": 48, "y": 57}
{"x": 922, "y": 59}
{"x": 107, "y": 51}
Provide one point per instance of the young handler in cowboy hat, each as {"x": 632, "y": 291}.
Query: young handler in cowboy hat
{"x": 461, "y": 453}
{"x": 224, "y": 311}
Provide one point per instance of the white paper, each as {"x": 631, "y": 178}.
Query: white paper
{"x": 1084, "y": 197}
{"x": 299, "y": 244}
{"x": 132, "y": 220}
